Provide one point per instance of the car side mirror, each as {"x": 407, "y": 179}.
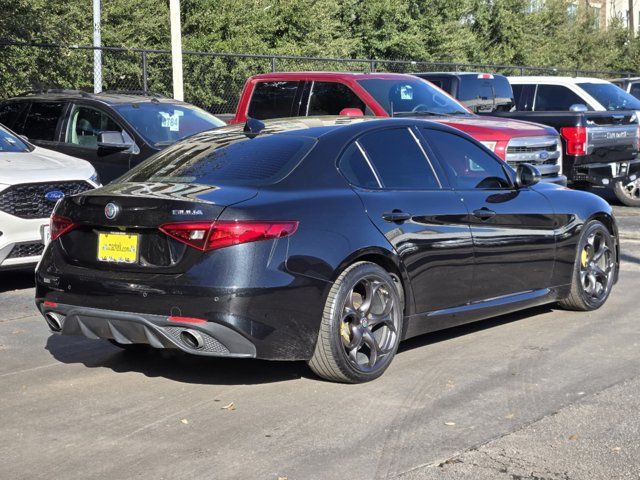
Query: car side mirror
{"x": 351, "y": 112}
{"x": 113, "y": 141}
{"x": 527, "y": 175}
{"x": 578, "y": 107}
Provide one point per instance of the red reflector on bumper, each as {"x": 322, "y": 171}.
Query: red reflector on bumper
{"x": 50, "y": 304}
{"x": 186, "y": 320}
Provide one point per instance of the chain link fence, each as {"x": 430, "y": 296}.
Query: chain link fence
{"x": 212, "y": 81}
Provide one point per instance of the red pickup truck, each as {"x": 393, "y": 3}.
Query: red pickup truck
{"x": 292, "y": 94}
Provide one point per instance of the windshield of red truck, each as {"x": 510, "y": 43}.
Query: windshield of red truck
{"x": 411, "y": 96}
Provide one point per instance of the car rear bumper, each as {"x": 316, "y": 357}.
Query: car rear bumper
{"x": 155, "y": 330}
{"x": 606, "y": 174}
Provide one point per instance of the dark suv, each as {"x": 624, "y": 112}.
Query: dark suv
{"x": 113, "y": 131}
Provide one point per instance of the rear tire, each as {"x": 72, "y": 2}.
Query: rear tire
{"x": 594, "y": 269}
{"x": 628, "y": 193}
{"x": 361, "y": 325}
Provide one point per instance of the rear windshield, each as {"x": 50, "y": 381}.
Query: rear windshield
{"x": 162, "y": 124}
{"x": 611, "y": 96}
{"x": 485, "y": 93}
{"x": 224, "y": 159}
{"x": 11, "y": 143}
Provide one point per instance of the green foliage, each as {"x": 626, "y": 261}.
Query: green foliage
{"x": 451, "y": 31}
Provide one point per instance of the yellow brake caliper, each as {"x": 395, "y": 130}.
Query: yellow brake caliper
{"x": 584, "y": 257}
{"x": 345, "y": 332}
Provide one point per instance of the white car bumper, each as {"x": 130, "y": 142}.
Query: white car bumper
{"x": 21, "y": 240}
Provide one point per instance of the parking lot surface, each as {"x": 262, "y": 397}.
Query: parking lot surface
{"x": 542, "y": 394}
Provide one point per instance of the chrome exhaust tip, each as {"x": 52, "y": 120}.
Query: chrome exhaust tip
{"x": 192, "y": 339}
{"x": 54, "y": 321}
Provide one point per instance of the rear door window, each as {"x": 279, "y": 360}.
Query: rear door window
{"x": 389, "y": 159}
{"x": 273, "y": 100}
{"x": 557, "y": 98}
{"x": 42, "y": 120}
{"x": 9, "y": 114}
{"x": 523, "y": 97}
{"x": 231, "y": 159}
{"x": 635, "y": 90}
{"x": 330, "y": 98}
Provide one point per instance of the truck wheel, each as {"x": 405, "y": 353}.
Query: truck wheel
{"x": 628, "y": 192}
{"x": 361, "y": 325}
{"x": 594, "y": 269}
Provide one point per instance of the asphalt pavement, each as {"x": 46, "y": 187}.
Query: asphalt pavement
{"x": 543, "y": 394}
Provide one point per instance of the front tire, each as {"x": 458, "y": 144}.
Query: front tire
{"x": 361, "y": 325}
{"x": 594, "y": 269}
{"x": 628, "y": 193}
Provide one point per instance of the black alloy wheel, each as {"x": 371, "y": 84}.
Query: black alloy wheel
{"x": 594, "y": 270}
{"x": 361, "y": 325}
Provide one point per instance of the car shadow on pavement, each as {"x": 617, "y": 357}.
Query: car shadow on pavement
{"x": 16, "y": 280}
{"x": 462, "y": 330}
{"x": 173, "y": 365}
{"x": 186, "y": 368}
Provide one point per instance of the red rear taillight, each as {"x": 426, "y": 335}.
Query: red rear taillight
{"x": 576, "y": 138}
{"x": 220, "y": 234}
{"x": 59, "y": 226}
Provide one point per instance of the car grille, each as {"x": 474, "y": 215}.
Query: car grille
{"x": 549, "y": 148}
{"x": 28, "y": 200}
{"x": 32, "y": 249}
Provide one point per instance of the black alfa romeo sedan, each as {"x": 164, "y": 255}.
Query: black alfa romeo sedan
{"x": 328, "y": 240}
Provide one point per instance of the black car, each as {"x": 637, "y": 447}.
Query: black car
{"x": 325, "y": 240}
{"x": 113, "y": 131}
{"x": 481, "y": 92}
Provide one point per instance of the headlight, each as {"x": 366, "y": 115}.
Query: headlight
{"x": 95, "y": 178}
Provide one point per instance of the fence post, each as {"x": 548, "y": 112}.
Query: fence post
{"x": 273, "y": 64}
{"x": 372, "y": 66}
{"x": 522, "y": 71}
{"x": 145, "y": 82}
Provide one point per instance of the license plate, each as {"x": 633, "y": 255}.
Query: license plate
{"x": 46, "y": 235}
{"x": 117, "y": 247}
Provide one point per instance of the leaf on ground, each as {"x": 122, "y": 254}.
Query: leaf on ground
{"x": 185, "y": 421}
{"x": 616, "y": 449}
{"x": 449, "y": 424}
{"x": 573, "y": 437}
{"x": 229, "y": 407}
{"x": 282, "y": 478}
{"x": 509, "y": 416}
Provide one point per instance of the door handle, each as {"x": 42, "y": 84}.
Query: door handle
{"x": 484, "y": 213}
{"x": 396, "y": 216}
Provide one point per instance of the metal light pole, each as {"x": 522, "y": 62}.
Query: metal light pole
{"x": 632, "y": 30}
{"x": 176, "y": 49}
{"x": 97, "y": 53}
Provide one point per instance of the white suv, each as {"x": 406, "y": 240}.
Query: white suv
{"x": 562, "y": 93}
{"x": 32, "y": 180}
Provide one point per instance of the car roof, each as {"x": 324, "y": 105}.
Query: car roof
{"x": 459, "y": 74}
{"x": 320, "y": 126}
{"x": 107, "y": 98}
{"x": 330, "y": 76}
{"x": 625, "y": 79}
{"x": 548, "y": 79}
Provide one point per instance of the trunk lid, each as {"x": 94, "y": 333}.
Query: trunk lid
{"x": 139, "y": 209}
